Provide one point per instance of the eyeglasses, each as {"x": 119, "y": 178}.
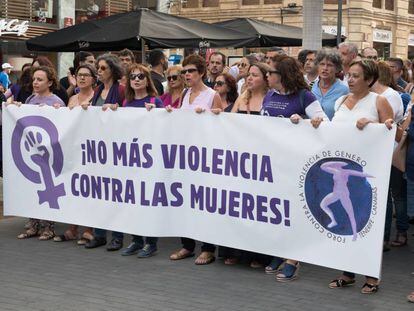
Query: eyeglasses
{"x": 219, "y": 83}
{"x": 134, "y": 76}
{"x": 103, "y": 68}
{"x": 372, "y": 57}
{"x": 242, "y": 65}
{"x": 172, "y": 78}
{"x": 83, "y": 75}
{"x": 191, "y": 70}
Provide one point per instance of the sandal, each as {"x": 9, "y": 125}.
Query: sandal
{"x": 288, "y": 273}
{"x": 256, "y": 264}
{"x": 369, "y": 288}
{"x": 47, "y": 234}
{"x": 181, "y": 254}
{"x": 400, "y": 240}
{"x": 86, "y": 237}
{"x": 205, "y": 258}
{"x": 410, "y": 297}
{"x": 28, "y": 234}
{"x": 338, "y": 283}
{"x": 67, "y": 236}
{"x": 275, "y": 265}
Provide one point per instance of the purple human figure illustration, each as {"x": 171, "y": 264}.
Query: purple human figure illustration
{"x": 40, "y": 156}
{"x": 340, "y": 192}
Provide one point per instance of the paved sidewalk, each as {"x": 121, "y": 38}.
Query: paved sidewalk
{"x": 37, "y": 275}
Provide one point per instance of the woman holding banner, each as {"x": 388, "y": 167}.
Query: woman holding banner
{"x": 361, "y": 107}
{"x": 111, "y": 94}
{"x": 44, "y": 83}
{"x": 86, "y": 78}
{"x": 175, "y": 87}
{"x": 197, "y": 97}
{"x": 289, "y": 97}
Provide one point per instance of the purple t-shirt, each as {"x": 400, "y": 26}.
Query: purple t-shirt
{"x": 140, "y": 103}
{"x": 47, "y": 100}
{"x": 279, "y": 105}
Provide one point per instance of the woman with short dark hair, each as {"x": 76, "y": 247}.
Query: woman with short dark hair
{"x": 225, "y": 85}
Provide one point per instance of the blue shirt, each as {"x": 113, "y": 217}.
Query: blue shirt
{"x": 328, "y": 100}
{"x": 4, "y": 79}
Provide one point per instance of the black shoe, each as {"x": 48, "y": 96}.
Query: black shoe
{"x": 115, "y": 245}
{"x": 96, "y": 242}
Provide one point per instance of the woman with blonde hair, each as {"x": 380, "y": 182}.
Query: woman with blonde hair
{"x": 175, "y": 87}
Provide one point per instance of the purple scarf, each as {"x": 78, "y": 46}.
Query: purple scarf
{"x": 115, "y": 95}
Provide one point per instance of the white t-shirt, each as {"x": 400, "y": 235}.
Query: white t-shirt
{"x": 395, "y": 101}
{"x": 203, "y": 100}
{"x": 364, "y": 108}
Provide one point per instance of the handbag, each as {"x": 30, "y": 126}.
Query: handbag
{"x": 400, "y": 153}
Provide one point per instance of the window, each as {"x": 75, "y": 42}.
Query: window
{"x": 273, "y": 1}
{"x": 149, "y": 4}
{"x": 377, "y": 4}
{"x": 190, "y": 4}
{"x": 389, "y": 5}
{"x": 250, "y": 2}
{"x": 411, "y": 6}
{"x": 45, "y": 11}
{"x": 89, "y": 9}
{"x": 210, "y": 3}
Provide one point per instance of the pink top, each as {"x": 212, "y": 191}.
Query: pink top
{"x": 203, "y": 100}
{"x": 167, "y": 100}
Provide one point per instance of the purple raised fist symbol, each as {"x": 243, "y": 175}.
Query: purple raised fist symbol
{"x": 35, "y": 146}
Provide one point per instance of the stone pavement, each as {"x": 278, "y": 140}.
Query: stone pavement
{"x": 36, "y": 275}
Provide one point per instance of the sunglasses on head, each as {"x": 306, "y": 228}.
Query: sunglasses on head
{"x": 134, "y": 76}
{"x": 191, "y": 70}
{"x": 219, "y": 83}
{"x": 172, "y": 78}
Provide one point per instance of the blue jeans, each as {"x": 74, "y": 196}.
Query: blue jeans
{"x": 410, "y": 197}
{"x": 397, "y": 198}
{"x": 148, "y": 240}
{"x": 101, "y": 233}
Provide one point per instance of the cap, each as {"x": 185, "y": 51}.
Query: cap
{"x": 6, "y": 66}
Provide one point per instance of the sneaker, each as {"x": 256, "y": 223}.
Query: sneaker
{"x": 114, "y": 245}
{"x": 132, "y": 249}
{"x": 147, "y": 251}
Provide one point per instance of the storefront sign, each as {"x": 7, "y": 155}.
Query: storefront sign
{"x": 380, "y": 35}
{"x": 411, "y": 39}
{"x": 13, "y": 27}
{"x": 333, "y": 30}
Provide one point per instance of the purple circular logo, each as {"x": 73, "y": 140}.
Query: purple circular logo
{"x": 39, "y": 154}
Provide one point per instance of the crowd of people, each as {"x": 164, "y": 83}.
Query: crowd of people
{"x": 329, "y": 85}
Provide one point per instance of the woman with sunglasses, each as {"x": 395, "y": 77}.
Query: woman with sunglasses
{"x": 244, "y": 66}
{"x": 197, "y": 97}
{"x": 141, "y": 93}
{"x": 175, "y": 87}
{"x": 110, "y": 92}
{"x": 225, "y": 85}
{"x": 289, "y": 97}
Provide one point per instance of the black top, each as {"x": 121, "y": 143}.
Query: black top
{"x": 158, "y": 80}
{"x": 256, "y": 113}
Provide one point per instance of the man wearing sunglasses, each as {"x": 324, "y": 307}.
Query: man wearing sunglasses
{"x": 159, "y": 64}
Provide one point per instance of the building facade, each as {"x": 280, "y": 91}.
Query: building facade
{"x": 21, "y": 20}
{"x": 387, "y": 25}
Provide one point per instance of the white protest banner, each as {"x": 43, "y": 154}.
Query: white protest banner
{"x": 256, "y": 183}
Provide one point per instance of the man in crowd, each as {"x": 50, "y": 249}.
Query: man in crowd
{"x": 159, "y": 64}
{"x": 396, "y": 65}
{"x": 4, "y": 75}
{"x": 370, "y": 53}
{"x": 127, "y": 58}
{"x": 216, "y": 64}
{"x": 348, "y": 52}
{"x": 272, "y": 52}
{"x": 310, "y": 69}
